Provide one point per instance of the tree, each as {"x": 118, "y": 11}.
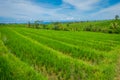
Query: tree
{"x": 116, "y": 17}
{"x": 29, "y": 24}
{"x": 58, "y": 26}
{"x": 37, "y": 23}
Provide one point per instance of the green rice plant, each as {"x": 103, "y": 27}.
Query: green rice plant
{"x": 11, "y": 68}
{"x": 63, "y": 36}
{"x": 55, "y": 54}
{"x": 83, "y": 53}
{"x": 82, "y": 41}
{"x": 39, "y": 55}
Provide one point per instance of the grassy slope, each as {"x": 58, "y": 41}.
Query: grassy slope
{"x": 11, "y": 68}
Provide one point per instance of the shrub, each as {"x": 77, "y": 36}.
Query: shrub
{"x": 88, "y": 28}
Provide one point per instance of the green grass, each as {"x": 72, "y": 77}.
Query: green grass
{"x": 62, "y": 55}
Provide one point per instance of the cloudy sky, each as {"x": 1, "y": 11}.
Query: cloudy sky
{"x": 52, "y": 10}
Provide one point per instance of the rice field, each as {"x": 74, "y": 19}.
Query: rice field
{"x": 36, "y": 54}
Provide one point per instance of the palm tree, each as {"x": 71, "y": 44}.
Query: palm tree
{"x": 116, "y": 17}
{"x": 37, "y": 23}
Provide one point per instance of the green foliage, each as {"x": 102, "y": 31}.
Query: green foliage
{"x": 58, "y": 26}
{"x": 106, "y": 26}
{"x": 116, "y": 17}
{"x": 36, "y": 24}
{"x": 115, "y": 27}
{"x": 88, "y": 28}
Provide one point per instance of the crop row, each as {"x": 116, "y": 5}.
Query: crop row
{"x": 79, "y": 40}
{"x": 54, "y": 62}
{"x": 11, "y": 68}
{"x": 83, "y": 53}
{"x": 57, "y": 58}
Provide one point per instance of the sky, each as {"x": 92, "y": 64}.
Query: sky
{"x": 15, "y": 11}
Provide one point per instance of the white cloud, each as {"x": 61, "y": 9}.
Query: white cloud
{"x": 26, "y": 10}
{"x": 108, "y": 13}
{"x": 83, "y": 4}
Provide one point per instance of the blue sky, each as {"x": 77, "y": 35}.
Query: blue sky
{"x": 57, "y": 10}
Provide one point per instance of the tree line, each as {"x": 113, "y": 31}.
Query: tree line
{"x": 107, "y": 26}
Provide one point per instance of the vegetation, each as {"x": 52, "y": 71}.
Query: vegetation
{"x": 116, "y": 17}
{"x": 37, "y": 54}
{"x": 105, "y": 26}
{"x": 12, "y": 68}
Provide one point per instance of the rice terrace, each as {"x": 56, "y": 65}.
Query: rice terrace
{"x": 42, "y": 46}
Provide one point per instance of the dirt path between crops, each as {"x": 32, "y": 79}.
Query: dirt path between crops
{"x": 118, "y": 70}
